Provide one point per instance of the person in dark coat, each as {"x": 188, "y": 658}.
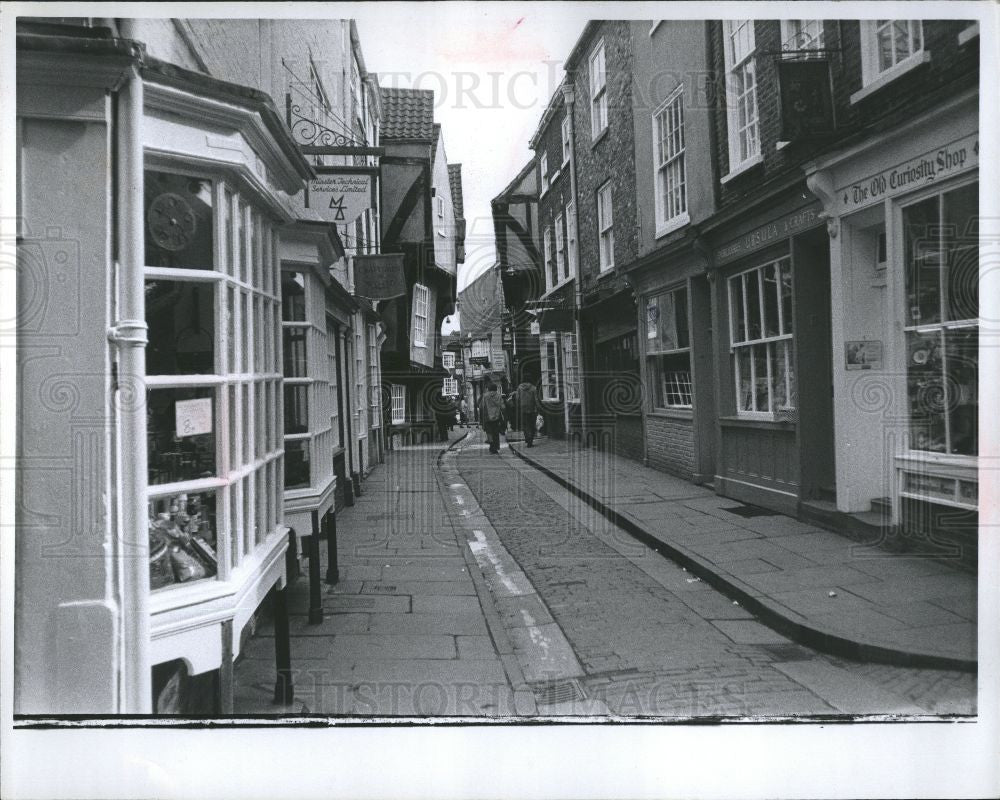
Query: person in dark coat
{"x": 527, "y": 407}
{"x": 492, "y": 416}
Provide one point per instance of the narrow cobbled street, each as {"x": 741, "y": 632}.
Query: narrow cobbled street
{"x": 474, "y": 585}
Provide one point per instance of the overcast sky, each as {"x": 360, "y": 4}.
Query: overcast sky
{"x": 493, "y": 68}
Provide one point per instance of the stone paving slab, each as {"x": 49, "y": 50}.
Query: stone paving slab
{"x": 884, "y": 605}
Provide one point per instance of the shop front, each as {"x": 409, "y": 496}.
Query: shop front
{"x": 771, "y": 326}
{"x": 170, "y": 190}
{"x": 903, "y": 236}
{"x": 675, "y": 358}
{"x": 557, "y": 371}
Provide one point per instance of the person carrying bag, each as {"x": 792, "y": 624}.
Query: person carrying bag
{"x": 526, "y": 402}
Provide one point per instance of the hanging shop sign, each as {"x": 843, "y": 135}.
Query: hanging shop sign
{"x": 806, "y": 100}
{"x": 914, "y": 173}
{"x": 379, "y": 277}
{"x": 535, "y": 328}
{"x": 507, "y": 336}
{"x": 340, "y": 195}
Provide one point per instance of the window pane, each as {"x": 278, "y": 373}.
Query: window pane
{"x": 736, "y": 300}
{"x": 297, "y": 464}
{"x": 241, "y": 233}
{"x": 779, "y": 391}
{"x": 925, "y": 390}
{"x": 181, "y": 320}
{"x": 770, "y": 289}
{"x": 182, "y": 538}
{"x": 173, "y": 454}
{"x": 753, "y": 305}
{"x": 744, "y": 400}
{"x": 960, "y": 233}
{"x": 247, "y": 425}
{"x": 963, "y": 390}
{"x": 228, "y": 260}
{"x": 232, "y": 332}
{"x": 179, "y": 230}
{"x": 680, "y": 309}
{"x": 293, "y": 297}
{"x": 923, "y": 262}
{"x": 247, "y": 332}
{"x": 296, "y": 409}
{"x": 785, "y": 268}
{"x": 762, "y": 390}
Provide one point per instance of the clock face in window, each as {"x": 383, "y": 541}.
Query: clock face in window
{"x": 172, "y": 222}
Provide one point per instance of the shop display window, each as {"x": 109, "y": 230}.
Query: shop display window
{"x": 942, "y": 294}
{"x": 668, "y": 350}
{"x": 211, "y": 432}
{"x": 182, "y": 538}
{"x": 760, "y": 317}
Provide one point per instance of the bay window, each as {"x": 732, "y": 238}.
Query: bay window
{"x": 214, "y": 451}
{"x": 942, "y": 329}
{"x": 760, "y": 319}
{"x": 668, "y": 350}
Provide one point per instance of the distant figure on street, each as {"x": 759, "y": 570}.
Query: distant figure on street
{"x": 444, "y": 415}
{"x": 526, "y": 404}
{"x": 491, "y": 415}
{"x": 463, "y": 413}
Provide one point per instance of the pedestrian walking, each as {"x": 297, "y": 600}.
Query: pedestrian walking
{"x": 527, "y": 408}
{"x": 463, "y": 413}
{"x": 492, "y": 417}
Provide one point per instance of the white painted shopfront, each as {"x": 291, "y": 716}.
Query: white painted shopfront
{"x": 901, "y": 213}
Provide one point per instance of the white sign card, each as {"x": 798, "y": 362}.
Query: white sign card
{"x": 193, "y": 417}
{"x": 340, "y": 198}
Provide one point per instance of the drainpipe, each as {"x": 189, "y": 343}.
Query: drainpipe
{"x": 569, "y": 98}
{"x": 129, "y": 337}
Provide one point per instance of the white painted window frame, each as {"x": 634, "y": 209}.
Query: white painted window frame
{"x": 420, "y": 304}
{"x": 671, "y": 111}
{"x": 606, "y": 227}
{"x": 598, "y": 91}
{"x": 742, "y": 64}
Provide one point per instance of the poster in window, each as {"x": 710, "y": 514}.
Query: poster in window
{"x": 193, "y": 417}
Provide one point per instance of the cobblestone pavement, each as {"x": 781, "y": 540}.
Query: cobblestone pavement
{"x": 650, "y": 639}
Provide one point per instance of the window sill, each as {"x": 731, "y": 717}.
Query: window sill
{"x": 887, "y": 77}
{"x": 606, "y": 272}
{"x": 763, "y": 421}
{"x": 595, "y": 140}
{"x": 970, "y": 33}
{"x": 673, "y": 413}
{"x": 747, "y": 165}
{"x": 654, "y": 26}
{"x": 672, "y": 225}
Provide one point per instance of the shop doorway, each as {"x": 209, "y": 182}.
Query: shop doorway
{"x": 817, "y": 460}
